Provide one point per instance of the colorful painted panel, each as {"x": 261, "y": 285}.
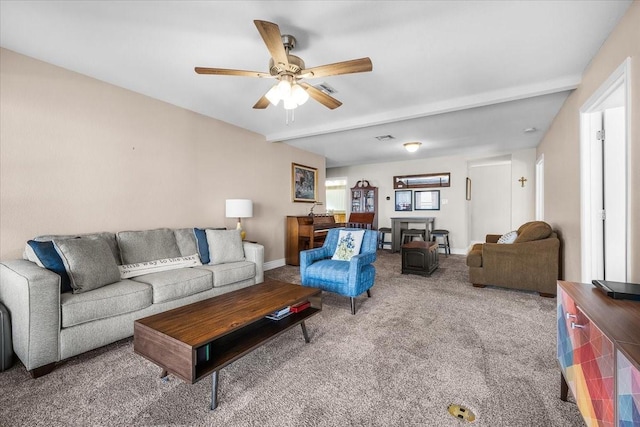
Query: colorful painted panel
{"x": 566, "y": 336}
{"x": 586, "y": 358}
{"x": 628, "y": 393}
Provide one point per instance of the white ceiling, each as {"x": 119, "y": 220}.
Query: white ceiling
{"x": 462, "y": 77}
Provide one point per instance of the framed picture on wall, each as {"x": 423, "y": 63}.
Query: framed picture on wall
{"x": 403, "y": 200}
{"x": 427, "y": 200}
{"x": 304, "y": 183}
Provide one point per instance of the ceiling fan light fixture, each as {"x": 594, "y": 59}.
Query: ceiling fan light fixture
{"x": 299, "y": 95}
{"x": 284, "y": 86}
{"x": 273, "y": 95}
{"x": 412, "y": 147}
{"x": 289, "y": 103}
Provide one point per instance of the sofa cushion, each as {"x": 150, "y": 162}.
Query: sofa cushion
{"x": 225, "y": 246}
{"x": 175, "y": 284}
{"x": 535, "y": 230}
{"x": 147, "y": 245}
{"x": 89, "y": 263}
{"x": 329, "y": 271}
{"x": 117, "y": 298}
{"x": 45, "y": 255}
{"x": 186, "y": 241}
{"x": 132, "y": 270}
{"x": 226, "y": 274}
{"x": 474, "y": 257}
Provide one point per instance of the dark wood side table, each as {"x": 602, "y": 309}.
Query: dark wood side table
{"x": 419, "y": 257}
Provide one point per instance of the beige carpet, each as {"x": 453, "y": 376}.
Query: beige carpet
{"x": 416, "y": 346}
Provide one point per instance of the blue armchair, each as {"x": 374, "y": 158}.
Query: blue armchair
{"x": 348, "y": 278}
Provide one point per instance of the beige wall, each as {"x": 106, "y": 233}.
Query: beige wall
{"x": 453, "y": 215}
{"x": 561, "y": 147}
{"x": 80, "y": 155}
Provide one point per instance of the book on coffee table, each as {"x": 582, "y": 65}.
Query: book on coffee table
{"x": 279, "y": 314}
{"x": 299, "y": 307}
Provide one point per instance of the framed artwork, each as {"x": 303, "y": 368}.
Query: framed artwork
{"x": 403, "y": 200}
{"x": 428, "y": 200}
{"x": 468, "y": 189}
{"x": 425, "y": 180}
{"x": 304, "y": 183}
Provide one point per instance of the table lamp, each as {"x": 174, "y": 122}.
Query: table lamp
{"x": 239, "y": 208}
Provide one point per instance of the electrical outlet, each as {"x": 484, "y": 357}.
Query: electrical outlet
{"x": 444, "y": 201}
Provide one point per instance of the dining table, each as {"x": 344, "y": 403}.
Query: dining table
{"x": 403, "y": 223}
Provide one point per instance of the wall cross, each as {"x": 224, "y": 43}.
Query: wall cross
{"x": 522, "y": 180}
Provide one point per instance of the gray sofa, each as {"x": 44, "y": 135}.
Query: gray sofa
{"x": 161, "y": 268}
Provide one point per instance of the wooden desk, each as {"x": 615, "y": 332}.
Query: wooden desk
{"x": 402, "y": 223}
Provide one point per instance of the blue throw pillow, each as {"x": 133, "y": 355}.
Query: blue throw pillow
{"x": 48, "y": 256}
{"x": 203, "y": 245}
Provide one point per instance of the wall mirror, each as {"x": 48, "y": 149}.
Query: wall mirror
{"x": 426, "y": 180}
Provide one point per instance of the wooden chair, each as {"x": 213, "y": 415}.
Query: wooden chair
{"x": 361, "y": 220}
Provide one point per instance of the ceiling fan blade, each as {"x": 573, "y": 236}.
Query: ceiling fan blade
{"x": 324, "y": 99}
{"x": 227, "y": 72}
{"x": 270, "y": 33}
{"x": 361, "y": 65}
{"x": 262, "y": 103}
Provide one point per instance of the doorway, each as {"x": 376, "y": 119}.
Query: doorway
{"x": 604, "y": 121}
{"x": 490, "y": 205}
{"x": 540, "y": 188}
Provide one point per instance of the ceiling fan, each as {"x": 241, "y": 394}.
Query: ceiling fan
{"x": 290, "y": 70}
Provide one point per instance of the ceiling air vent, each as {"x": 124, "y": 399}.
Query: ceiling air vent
{"x": 385, "y": 137}
{"x": 326, "y": 88}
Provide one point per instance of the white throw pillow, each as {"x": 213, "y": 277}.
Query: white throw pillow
{"x": 509, "y": 237}
{"x": 349, "y": 243}
{"x": 224, "y": 246}
{"x": 148, "y": 267}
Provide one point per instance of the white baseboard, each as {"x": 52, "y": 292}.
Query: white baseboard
{"x": 270, "y": 265}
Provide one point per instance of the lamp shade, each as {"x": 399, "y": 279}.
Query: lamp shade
{"x": 239, "y": 208}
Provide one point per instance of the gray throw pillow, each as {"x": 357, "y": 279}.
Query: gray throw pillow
{"x": 89, "y": 263}
{"x": 147, "y": 245}
{"x": 225, "y": 246}
{"x": 186, "y": 241}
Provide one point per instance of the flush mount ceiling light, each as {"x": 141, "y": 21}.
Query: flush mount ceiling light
{"x": 412, "y": 147}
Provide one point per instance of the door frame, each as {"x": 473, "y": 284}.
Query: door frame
{"x": 619, "y": 78}
{"x": 540, "y": 188}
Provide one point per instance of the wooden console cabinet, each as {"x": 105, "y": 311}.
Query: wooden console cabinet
{"x": 599, "y": 354}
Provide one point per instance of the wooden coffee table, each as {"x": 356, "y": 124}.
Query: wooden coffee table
{"x": 199, "y": 339}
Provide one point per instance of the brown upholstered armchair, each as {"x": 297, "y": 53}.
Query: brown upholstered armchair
{"x": 530, "y": 263}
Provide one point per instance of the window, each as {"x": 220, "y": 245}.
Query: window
{"x": 336, "y": 195}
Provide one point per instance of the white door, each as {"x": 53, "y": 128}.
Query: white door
{"x": 614, "y": 194}
{"x": 604, "y": 176}
{"x": 490, "y": 205}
